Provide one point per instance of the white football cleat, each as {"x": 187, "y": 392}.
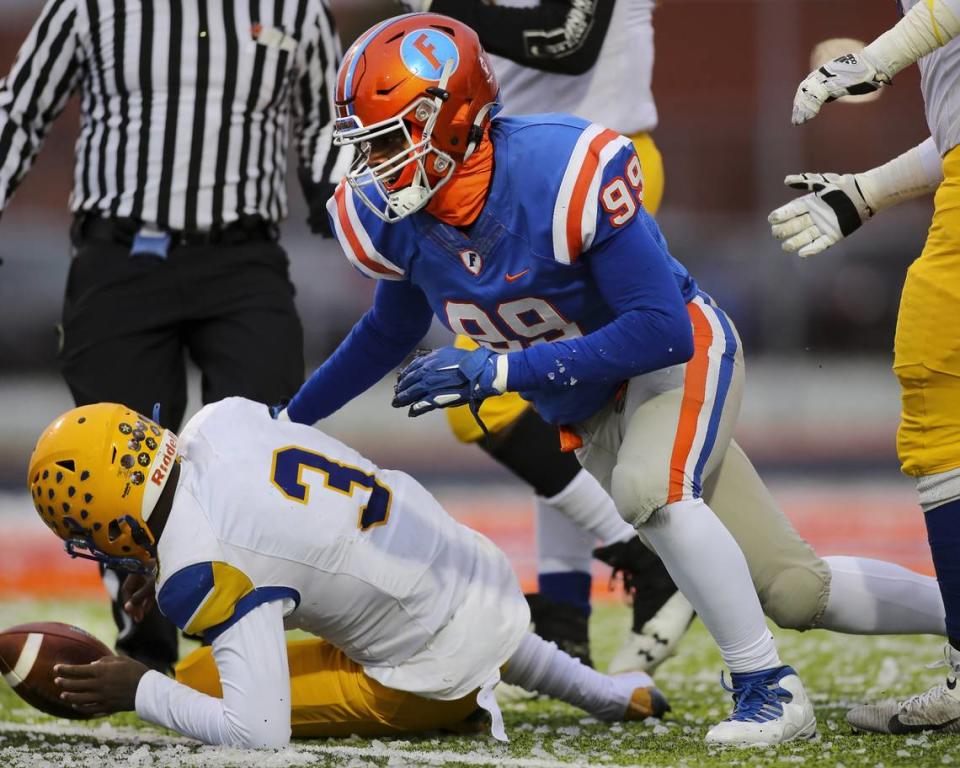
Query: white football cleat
{"x": 769, "y": 707}
{"x": 937, "y": 709}
{"x": 657, "y": 641}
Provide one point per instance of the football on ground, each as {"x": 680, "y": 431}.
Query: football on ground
{"x": 29, "y": 652}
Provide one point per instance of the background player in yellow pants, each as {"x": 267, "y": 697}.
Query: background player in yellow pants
{"x": 927, "y": 345}
{"x": 577, "y": 70}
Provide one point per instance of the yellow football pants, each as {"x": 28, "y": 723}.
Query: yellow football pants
{"x": 499, "y": 412}
{"x": 331, "y": 696}
{"x": 927, "y": 345}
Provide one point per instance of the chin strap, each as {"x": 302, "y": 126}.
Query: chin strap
{"x": 83, "y": 547}
{"x": 475, "y": 134}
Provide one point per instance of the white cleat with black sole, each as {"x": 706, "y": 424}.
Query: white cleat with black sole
{"x": 769, "y": 707}
{"x": 937, "y": 709}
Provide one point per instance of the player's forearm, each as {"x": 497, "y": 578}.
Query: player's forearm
{"x": 916, "y": 172}
{"x": 563, "y": 36}
{"x": 385, "y": 335}
{"x": 929, "y": 25}
{"x": 637, "y": 342}
{"x": 255, "y": 709}
{"x": 651, "y": 330}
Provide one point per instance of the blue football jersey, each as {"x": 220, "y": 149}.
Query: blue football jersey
{"x": 562, "y": 188}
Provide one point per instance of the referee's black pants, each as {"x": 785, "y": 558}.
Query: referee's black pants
{"x": 128, "y": 323}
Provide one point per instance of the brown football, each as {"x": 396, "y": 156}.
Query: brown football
{"x": 28, "y": 653}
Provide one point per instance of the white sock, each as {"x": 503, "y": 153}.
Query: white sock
{"x": 708, "y": 566}
{"x": 873, "y": 597}
{"x": 585, "y": 503}
{"x": 540, "y": 666}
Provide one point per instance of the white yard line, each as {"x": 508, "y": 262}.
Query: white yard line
{"x": 395, "y": 755}
{"x": 443, "y": 758}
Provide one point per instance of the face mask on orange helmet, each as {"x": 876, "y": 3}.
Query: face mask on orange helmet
{"x": 95, "y": 478}
{"x": 414, "y": 94}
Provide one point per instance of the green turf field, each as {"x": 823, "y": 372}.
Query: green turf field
{"x": 838, "y": 671}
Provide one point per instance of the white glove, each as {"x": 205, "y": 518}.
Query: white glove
{"x": 810, "y": 224}
{"x": 852, "y": 74}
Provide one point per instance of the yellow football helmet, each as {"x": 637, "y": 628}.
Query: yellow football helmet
{"x": 95, "y": 477}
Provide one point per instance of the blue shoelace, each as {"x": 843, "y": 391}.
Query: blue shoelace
{"x": 755, "y": 701}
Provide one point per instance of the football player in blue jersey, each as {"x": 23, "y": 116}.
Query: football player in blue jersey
{"x": 528, "y": 235}
{"x": 569, "y": 56}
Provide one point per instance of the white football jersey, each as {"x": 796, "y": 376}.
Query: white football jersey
{"x": 363, "y": 557}
{"x": 940, "y": 83}
{"x": 617, "y": 91}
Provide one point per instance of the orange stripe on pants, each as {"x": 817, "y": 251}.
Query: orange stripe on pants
{"x": 694, "y": 393}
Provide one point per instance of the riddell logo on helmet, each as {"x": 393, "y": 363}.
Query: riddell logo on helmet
{"x": 167, "y": 454}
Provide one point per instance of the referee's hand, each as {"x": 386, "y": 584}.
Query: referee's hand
{"x": 316, "y": 195}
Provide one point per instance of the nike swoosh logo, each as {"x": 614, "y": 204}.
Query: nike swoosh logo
{"x": 898, "y": 727}
{"x": 510, "y": 278}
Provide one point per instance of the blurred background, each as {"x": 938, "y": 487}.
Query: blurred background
{"x": 821, "y": 405}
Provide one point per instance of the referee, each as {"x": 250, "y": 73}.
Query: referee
{"x": 178, "y": 187}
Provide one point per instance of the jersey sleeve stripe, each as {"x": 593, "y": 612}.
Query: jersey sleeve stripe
{"x": 207, "y": 598}
{"x": 575, "y": 213}
{"x": 588, "y": 219}
{"x": 578, "y": 198}
{"x": 561, "y": 244}
{"x": 247, "y": 603}
{"x": 354, "y": 239}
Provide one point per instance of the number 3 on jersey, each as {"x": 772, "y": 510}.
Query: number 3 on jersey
{"x": 290, "y": 462}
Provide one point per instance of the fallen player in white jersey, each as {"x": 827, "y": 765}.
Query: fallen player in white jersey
{"x": 259, "y": 526}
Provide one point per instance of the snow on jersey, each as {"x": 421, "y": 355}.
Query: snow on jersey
{"x": 562, "y": 189}
{"x": 363, "y": 557}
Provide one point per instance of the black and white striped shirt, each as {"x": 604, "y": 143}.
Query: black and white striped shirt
{"x": 186, "y": 105}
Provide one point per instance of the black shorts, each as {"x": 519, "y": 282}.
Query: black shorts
{"x": 128, "y": 323}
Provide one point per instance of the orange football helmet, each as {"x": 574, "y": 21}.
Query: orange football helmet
{"x": 415, "y": 93}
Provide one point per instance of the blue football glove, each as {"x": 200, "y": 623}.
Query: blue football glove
{"x": 450, "y": 376}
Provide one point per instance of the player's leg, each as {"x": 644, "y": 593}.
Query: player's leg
{"x": 573, "y": 513}
{"x": 800, "y": 590}
{"x": 927, "y": 364}
{"x": 540, "y": 666}
{"x": 676, "y": 425}
{"x": 120, "y": 343}
{"x": 331, "y": 696}
{"x": 661, "y": 614}
{"x": 246, "y": 338}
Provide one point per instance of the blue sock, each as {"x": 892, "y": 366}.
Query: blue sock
{"x": 943, "y": 533}
{"x": 571, "y": 587}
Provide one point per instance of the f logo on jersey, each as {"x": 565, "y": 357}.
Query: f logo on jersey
{"x": 472, "y": 260}
{"x": 425, "y": 52}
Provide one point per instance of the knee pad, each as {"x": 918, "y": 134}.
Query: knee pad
{"x": 637, "y": 493}
{"x": 797, "y": 596}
